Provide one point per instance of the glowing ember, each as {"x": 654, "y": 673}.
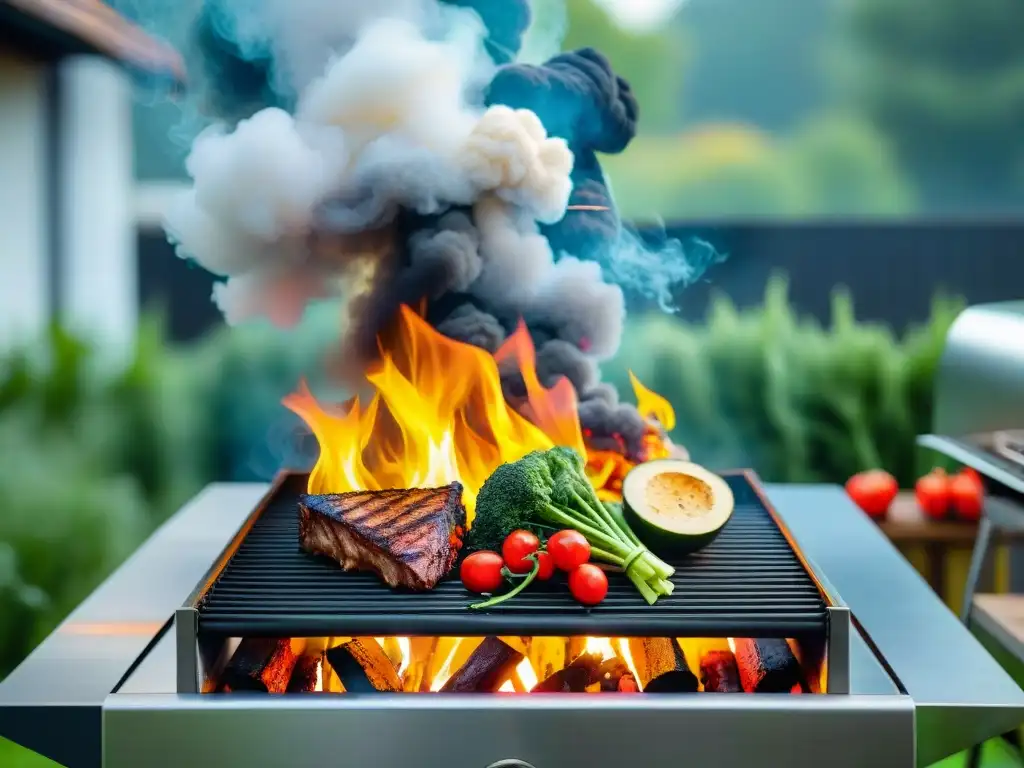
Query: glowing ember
{"x": 438, "y": 414}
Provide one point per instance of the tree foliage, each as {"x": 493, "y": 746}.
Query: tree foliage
{"x": 944, "y": 80}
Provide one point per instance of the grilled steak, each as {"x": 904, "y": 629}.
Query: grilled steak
{"x": 408, "y": 537}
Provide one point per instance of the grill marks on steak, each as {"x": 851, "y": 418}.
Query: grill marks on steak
{"x": 409, "y": 537}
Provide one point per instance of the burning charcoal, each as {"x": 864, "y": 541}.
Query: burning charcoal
{"x": 767, "y": 665}
{"x": 307, "y": 674}
{"x": 486, "y": 670}
{"x": 583, "y": 672}
{"x": 362, "y": 666}
{"x": 662, "y": 666}
{"x": 261, "y": 665}
{"x": 614, "y": 676}
{"x": 718, "y": 672}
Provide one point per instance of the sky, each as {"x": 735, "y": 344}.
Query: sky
{"x": 641, "y": 14}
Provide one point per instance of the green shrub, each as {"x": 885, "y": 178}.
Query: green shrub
{"x": 796, "y": 401}
{"x": 94, "y": 457}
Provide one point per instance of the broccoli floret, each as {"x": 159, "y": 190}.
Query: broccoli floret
{"x": 509, "y": 498}
{"x": 549, "y": 490}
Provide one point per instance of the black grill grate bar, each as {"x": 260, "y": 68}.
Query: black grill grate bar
{"x": 621, "y": 624}
{"x": 748, "y": 582}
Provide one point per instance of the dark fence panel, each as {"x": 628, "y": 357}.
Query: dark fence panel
{"x": 891, "y": 269}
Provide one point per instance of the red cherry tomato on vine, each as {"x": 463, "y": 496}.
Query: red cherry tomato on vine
{"x": 517, "y": 548}
{"x": 547, "y": 566}
{"x": 481, "y": 572}
{"x": 569, "y": 549}
{"x": 588, "y": 584}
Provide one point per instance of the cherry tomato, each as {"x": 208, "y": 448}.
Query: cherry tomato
{"x": 517, "y": 548}
{"x": 569, "y": 549}
{"x": 873, "y": 492}
{"x": 967, "y": 495}
{"x": 932, "y": 493}
{"x": 588, "y": 584}
{"x": 481, "y": 572}
{"x": 972, "y": 473}
{"x": 547, "y": 566}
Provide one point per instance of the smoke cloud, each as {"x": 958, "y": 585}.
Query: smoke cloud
{"x": 396, "y": 152}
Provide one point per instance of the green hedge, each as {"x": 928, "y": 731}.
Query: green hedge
{"x": 795, "y": 400}
{"x": 93, "y": 461}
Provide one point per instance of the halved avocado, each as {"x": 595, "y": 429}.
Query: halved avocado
{"x": 675, "y": 506}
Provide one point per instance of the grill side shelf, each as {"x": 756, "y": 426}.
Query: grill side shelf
{"x": 750, "y": 582}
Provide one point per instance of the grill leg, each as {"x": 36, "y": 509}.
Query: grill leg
{"x": 974, "y": 758}
{"x": 981, "y": 545}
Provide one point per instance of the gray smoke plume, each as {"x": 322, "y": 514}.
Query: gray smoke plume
{"x": 395, "y": 153}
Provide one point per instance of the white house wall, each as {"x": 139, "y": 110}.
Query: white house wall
{"x": 98, "y": 270}
{"x": 24, "y": 205}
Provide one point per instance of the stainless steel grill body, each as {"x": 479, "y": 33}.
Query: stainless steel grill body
{"x": 980, "y": 380}
{"x": 920, "y": 686}
{"x": 752, "y": 581}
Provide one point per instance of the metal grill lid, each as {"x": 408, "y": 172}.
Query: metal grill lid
{"x": 748, "y": 583}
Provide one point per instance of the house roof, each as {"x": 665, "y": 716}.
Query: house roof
{"x": 94, "y": 27}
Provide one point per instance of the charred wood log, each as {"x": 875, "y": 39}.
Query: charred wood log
{"x": 488, "y": 667}
{"x": 362, "y": 666}
{"x": 767, "y": 665}
{"x": 719, "y": 674}
{"x": 263, "y": 665}
{"x": 662, "y": 666}
{"x": 580, "y": 674}
{"x": 307, "y": 673}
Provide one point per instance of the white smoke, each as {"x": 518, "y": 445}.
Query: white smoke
{"x": 387, "y": 116}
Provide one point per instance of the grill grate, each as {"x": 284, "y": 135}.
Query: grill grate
{"x": 747, "y": 583}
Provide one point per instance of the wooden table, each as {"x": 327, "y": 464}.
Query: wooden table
{"x": 908, "y": 528}
{"x": 1002, "y": 616}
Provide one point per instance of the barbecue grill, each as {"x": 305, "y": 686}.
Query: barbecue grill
{"x": 979, "y": 394}
{"x": 122, "y": 681}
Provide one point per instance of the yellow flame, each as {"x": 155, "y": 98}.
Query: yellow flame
{"x": 319, "y": 684}
{"x": 527, "y": 674}
{"x": 601, "y": 646}
{"x": 438, "y": 414}
{"x": 405, "y": 648}
{"x": 445, "y": 670}
{"x": 652, "y": 405}
{"x": 627, "y": 657}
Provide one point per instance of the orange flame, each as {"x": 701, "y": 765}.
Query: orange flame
{"x": 438, "y": 414}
